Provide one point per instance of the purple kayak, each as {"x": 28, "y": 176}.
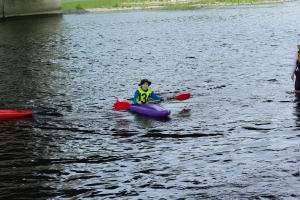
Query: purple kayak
{"x": 151, "y": 110}
{"x": 146, "y": 109}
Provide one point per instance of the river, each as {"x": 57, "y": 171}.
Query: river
{"x": 237, "y": 137}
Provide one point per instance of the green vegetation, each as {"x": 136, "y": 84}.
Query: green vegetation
{"x": 167, "y": 4}
{"x": 179, "y": 6}
{"x": 84, "y": 4}
{"x": 78, "y": 7}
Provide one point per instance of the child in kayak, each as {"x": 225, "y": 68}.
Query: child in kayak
{"x": 296, "y": 69}
{"x": 143, "y": 94}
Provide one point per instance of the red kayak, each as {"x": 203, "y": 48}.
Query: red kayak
{"x": 4, "y": 114}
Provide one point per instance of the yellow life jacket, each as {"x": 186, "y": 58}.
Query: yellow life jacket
{"x": 298, "y": 56}
{"x": 144, "y": 97}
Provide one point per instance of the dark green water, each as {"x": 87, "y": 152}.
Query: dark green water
{"x": 237, "y": 137}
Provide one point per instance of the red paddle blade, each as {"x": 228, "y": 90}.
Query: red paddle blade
{"x": 183, "y": 97}
{"x": 122, "y": 105}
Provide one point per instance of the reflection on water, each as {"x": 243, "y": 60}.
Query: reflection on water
{"x": 30, "y": 50}
{"x": 297, "y": 110}
{"x": 235, "y": 138}
{"x": 146, "y": 121}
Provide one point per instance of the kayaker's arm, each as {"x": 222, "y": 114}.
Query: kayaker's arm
{"x": 155, "y": 97}
{"x": 294, "y": 66}
{"x": 136, "y": 94}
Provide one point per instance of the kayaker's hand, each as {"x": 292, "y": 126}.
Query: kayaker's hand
{"x": 165, "y": 98}
{"x": 292, "y": 77}
{"x": 140, "y": 103}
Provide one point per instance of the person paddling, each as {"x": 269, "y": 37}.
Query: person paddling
{"x": 143, "y": 94}
{"x": 296, "y": 69}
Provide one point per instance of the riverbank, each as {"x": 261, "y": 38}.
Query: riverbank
{"x": 80, "y": 7}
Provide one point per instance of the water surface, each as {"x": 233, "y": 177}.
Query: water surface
{"x": 236, "y": 137}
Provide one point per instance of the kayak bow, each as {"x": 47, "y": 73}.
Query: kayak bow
{"x": 4, "y": 114}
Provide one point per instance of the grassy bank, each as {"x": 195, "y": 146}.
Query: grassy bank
{"x": 88, "y": 4}
{"x": 68, "y": 5}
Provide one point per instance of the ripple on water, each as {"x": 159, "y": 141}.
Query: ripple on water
{"x": 235, "y": 138}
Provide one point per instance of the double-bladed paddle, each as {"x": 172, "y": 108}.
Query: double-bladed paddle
{"x": 125, "y": 105}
